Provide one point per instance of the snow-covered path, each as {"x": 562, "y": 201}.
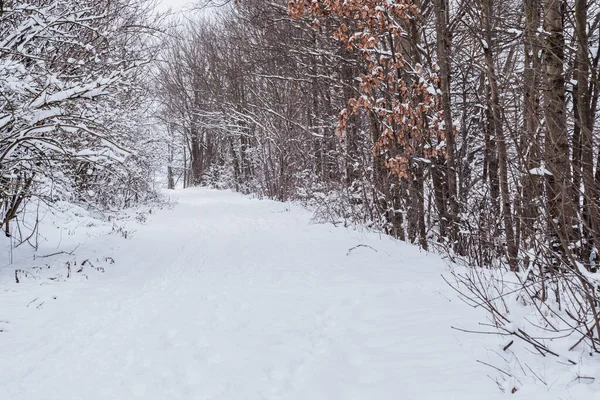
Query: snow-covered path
{"x": 224, "y": 297}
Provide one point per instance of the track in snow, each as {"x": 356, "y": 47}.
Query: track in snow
{"x": 224, "y": 297}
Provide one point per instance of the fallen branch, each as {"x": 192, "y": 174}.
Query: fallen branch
{"x": 360, "y": 245}
{"x": 57, "y": 253}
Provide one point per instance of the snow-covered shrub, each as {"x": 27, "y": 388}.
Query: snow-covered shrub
{"x": 219, "y": 176}
{"x": 71, "y": 102}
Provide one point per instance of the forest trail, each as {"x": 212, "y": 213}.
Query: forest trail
{"x": 226, "y": 297}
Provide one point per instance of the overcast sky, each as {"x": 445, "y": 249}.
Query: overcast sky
{"x": 164, "y": 5}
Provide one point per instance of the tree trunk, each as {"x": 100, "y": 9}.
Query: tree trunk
{"x": 585, "y": 122}
{"x": 559, "y": 185}
{"x": 443, "y": 49}
{"x": 195, "y": 158}
{"x": 531, "y": 119}
{"x": 496, "y": 125}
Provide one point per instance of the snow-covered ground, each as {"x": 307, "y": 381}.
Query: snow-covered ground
{"x": 226, "y": 297}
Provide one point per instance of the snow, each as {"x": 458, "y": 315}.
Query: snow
{"x": 423, "y": 160}
{"x": 226, "y": 297}
{"x": 540, "y": 171}
{"x": 431, "y": 90}
{"x": 41, "y": 115}
{"x": 4, "y": 120}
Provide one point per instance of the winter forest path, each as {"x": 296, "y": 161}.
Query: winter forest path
{"x": 225, "y": 297}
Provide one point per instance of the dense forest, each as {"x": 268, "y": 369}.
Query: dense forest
{"x": 444, "y": 124}
{"x": 464, "y": 127}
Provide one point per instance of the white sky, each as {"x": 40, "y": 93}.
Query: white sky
{"x": 176, "y": 5}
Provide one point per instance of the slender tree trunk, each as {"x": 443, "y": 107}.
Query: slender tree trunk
{"x": 491, "y": 153}
{"x": 416, "y": 213}
{"x": 496, "y": 124}
{"x": 195, "y": 158}
{"x": 186, "y": 173}
{"x": 585, "y": 121}
{"x": 443, "y": 49}
{"x": 559, "y": 185}
{"x": 530, "y": 144}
